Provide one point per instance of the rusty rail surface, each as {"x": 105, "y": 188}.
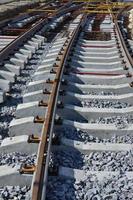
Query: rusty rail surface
{"x": 123, "y": 44}
{"x": 45, "y": 143}
{"x": 41, "y": 168}
{"x": 120, "y": 35}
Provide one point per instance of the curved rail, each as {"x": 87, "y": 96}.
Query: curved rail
{"x": 40, "y": 177}
{"x": 120, "y": 35}
{"x": 123, "y": 43}
{"x": 39, "y": 180}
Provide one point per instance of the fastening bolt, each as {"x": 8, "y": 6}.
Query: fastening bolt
{"x": 57, "y": 59}
{"x": 58, "y": 120}
{"x": 64, "y": 82}
{"x": 49, "y": 81}
{"x": 52, "y": 71}
{"x": 69, "y": 59}
{"x": 62, "y": 92}
{"x": 46, "y": 91}
{"x": 121, "y": 56}
{"x": 33, "y": 139}
{"x": 39, "y": 120}
{"x": 53, "y": 171}
{"x": 60, "y": 53}
{"x": 55, "y": 140}
{"x": 60, "y": 104}
{"x": 128, "y": 75}
{"x": 42, "y": 103}
{"x": 125, "y": 67}
{"x": 123, "y": 62}
{"x": 55, "y": 65}
{"x": 131, "y": 84}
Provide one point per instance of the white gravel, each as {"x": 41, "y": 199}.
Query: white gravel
{"x": 98, "y": 161}
{"x": 104, "y": 104}
{"x": 17, "y": 158}
{"x": 99, "y": 93}
{"x": 15, "y": 193}
{"x": 90, "y": 188}
{"x": 109, "y": 161}
{"x": 119, "y": 121}
{"x": 79, "y": 135}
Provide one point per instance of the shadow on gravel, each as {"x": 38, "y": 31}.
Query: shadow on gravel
{"x": 63, "y": 186}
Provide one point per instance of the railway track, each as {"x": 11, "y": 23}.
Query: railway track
{"x": 93, "y": 120}
{"x": 68, "y": 117}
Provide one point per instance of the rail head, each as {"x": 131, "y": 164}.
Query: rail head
{"x": 40, "y": 176}
{"x": 130, "y": 60}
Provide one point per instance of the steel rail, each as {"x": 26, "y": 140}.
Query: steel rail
{"x": 123, "y": 43}
{"x": 40, "y": 176}
{"x": 115, "y": 18}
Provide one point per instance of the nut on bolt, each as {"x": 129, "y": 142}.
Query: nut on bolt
{"x": 60, "y": 104}
{"x": 57, "y": 59}
{"x": 128, "y": 75}
{"x": 33, "y": 139}
{"x": 53, "y": 170}
{"x": 131, "y": 84}
{"x": 125, "y": 67}
{"x": 55, "y": 140}
{"x": 55, "y": 65}
{"x": 46, "y": 91}
{"x": 58, "y": 120}
{"x": 69, "y": 59}
{"x": 27, "y": 169}
{"x": 52, "y": 71}
{"x": 62, "y": 92}
{"x": 49, "y": 81}
{"x": 42, "y": 103}
{"x": 39, "y": 120}
{"x": 123, "y": 62}
{"x": 64, "y": 82}
{"x": 121, "y": 56}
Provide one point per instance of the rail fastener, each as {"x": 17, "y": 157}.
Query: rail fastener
{"x": 49, "y": 81}
{"x": 42, "y": 103}
{"x": 39, "y": 120}
{"x": 27, "y": 169}
{"x": 64, "y": 82}
{"x": 33, "y": 139}
{"x": 125, "y": 67}
{"x": 62, "y": 92}
{"x": 58, "y": 120}
{"x": 46, "y": 91}
{"x": 55, "y": 65}
{"x": 128, "y": 75}
{"x": 131, "y": 84}
{"x": 52, "y": 71}
{"x": 60, "y": 104}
